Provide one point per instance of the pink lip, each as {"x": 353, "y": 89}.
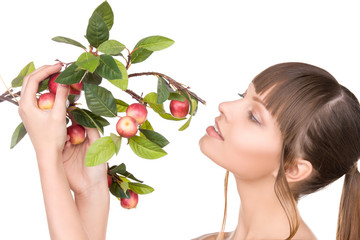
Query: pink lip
{"x": 212, "y": 133}
{"x": 218, "y": 128}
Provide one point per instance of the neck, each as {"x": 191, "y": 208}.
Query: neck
{"x": 261, "y": 215}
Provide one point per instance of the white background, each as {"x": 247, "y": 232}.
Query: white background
{"x": 218, "y": 49}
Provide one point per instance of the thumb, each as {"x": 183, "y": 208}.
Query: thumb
{"x": 61, "y": 97}
{"x": 92, "y": 134}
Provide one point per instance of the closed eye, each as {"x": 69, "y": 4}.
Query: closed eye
{"x": 253, "y": 118}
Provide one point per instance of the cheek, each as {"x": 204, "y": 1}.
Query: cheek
{"x": 252, "y": 154}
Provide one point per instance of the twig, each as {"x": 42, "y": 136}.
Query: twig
{"x": 8, "y": 90}
{"x": 9, "y": 100}
{"x": 171, "y": 81}
{"x": 134, "y": 95}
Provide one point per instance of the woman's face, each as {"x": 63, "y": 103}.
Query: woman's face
{"x": 245, "y": 138}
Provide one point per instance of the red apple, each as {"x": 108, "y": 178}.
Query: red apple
{"x": 127, "y": 127}
{"x": 46, "y": 101}
{"x": 52, "y": 85}
{"x": 131, "y": 202}
{"x": 76, "y": 133}
{"x": 179, "y": 109}
{"x": 77, "y": 86}
{"x": 137, "y": 111}
{"x": 109, "y": 178}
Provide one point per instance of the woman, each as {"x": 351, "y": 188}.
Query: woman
{"x": 295, "y": 131}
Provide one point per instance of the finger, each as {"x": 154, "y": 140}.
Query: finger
{"x": 92, "y": 134}
{"x": 62, "y": 93}
{"x": 26, "y": 78}
{"x": 67, "y": 145}
{"x": 32, "y": 82}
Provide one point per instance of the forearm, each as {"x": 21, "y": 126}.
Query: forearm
{"x": 62, "y": 215}
{"x": 93, "y": 206}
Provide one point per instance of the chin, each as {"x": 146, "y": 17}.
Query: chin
{"x": 209, "y": 150}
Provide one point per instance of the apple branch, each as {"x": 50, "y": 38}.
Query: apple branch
{"x": 134, "y": 95}
{"x": 171, "y": 81}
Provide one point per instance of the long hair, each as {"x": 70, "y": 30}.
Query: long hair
{"x": 319, "y": 120}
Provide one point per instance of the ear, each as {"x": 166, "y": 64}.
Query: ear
{"x": 299, "y": 171}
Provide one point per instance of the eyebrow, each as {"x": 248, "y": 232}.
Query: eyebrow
{"x": 255, "y": 98}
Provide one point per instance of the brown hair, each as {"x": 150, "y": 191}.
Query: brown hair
{"x": 320, "y": 122}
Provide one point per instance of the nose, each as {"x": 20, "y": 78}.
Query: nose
{"x": 224, "y": 109}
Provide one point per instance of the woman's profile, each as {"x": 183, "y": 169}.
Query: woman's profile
{"x": 292, "y": 132}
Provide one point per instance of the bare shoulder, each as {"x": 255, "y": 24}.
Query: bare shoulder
{"x": 210, "y": 236}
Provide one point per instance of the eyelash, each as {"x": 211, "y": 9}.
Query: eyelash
{"x": 250, "y": 114}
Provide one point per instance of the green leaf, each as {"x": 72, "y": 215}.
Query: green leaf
{"x": 17, "y": 82}
{"x": 155, "y": 43}
{"x": 168, "y": 116}
{"x": 108, "y": 68}
{"x": 124, "y": 179}
{"x": 116, "y": 190}
{"x": 155, "y": 137}
{"x": 106, "y": 13}
{"x": 118, "y": 169}
{"x": 117, "y": 141}
{"x": 151, "y": 99}
{"x": 73, "y": 98}
{"x": 18, "y": 134}
{"x": 140, "y": 55}
{"x": 146, "y": 125}
{"x": 43, "y": 85}
{"x": 163, "y": 91}
{"x": 121, "y": 169}
{"x": 111, "y": 47}
{"x": 121, "y": 105}
{"x": 176, "y": 96}
{"x": 71, "y": 75}
{"x": 92, "y": 78}
{"x": 97, "y": 31}
{"x": 100, "y": 151}
{"x": 100, "y": 100}
{"x": 144, "y": 148}
{"x": 88, "y": 61}
{"x": 140, "y": 188}
{"x": 68, "y": 41}
{"x": 186, "y": 125}
{"x": 88, "y": 119}
{"x": 121, "y": 83}
{"x": 194, "y": 107}
{"x": 124, "y": 186}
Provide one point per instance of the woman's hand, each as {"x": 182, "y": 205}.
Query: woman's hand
{"x": 46, "y": 128}
{"x": 81, "y": 178}
{"x": 89, "y": 185}
{"x": 61, "y": 166}
{"x": 47, "y": 131}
